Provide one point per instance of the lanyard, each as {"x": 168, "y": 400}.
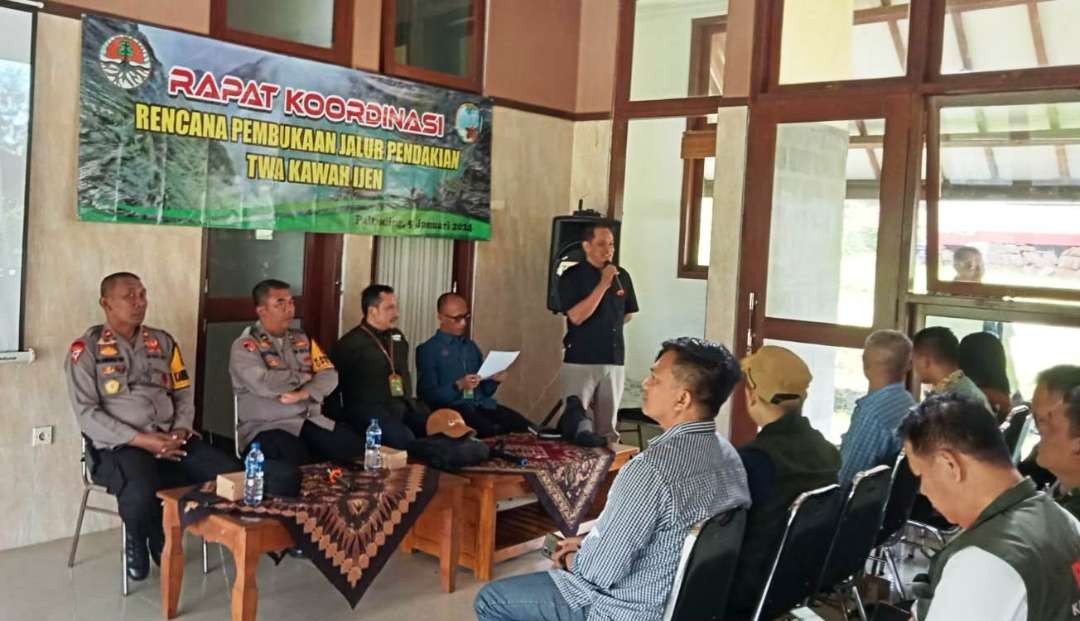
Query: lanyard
{"x": 389, "y": 355}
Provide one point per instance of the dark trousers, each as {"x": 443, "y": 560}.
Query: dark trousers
{"x": 285, "y": 453}
{"x": 134, "y": 476}
{"x": 401, "y": 420}
{"x": 491, "y": 422}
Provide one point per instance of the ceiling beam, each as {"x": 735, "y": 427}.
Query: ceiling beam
{"x": 900, "y": 11}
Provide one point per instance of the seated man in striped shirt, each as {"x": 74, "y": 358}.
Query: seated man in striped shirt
{"x": 871, "y": 440}
{"x": 625, "y": 567}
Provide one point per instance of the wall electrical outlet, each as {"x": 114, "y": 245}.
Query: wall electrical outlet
{"x": 42, "y": 435}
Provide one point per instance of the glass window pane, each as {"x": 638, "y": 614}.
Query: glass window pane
{"x": 823, "y": 243}
{"x": 990, "y": 35}
{"x": 838, "y": 382}
{"x": 843, "y": 40}
{"x": 650, "y": 219}
{"x": 704, "y": 232}
{"x": 238, "y": 259}
{"x": 1026, "y": 350}
{"x": 1010, "y": 203}
{"x": 15, "y": 57}
{"x": 678, "y": 49}
{"x": 310, "y": 22}
{"x": 434, "y": 35}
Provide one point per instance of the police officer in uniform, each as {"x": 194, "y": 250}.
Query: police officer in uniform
{"x": 133, "y": 399}
{"x": 281, "y": 377}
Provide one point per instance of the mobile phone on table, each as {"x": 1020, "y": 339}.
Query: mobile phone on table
{"x": 551, "y": 543}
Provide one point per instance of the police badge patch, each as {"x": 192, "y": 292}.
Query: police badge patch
{"x": 77, "y": 348}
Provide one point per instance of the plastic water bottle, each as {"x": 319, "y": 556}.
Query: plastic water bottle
{"x": 253, "y": 475}
{"x": 372, "y": 443}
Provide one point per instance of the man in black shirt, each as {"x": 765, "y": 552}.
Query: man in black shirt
{"x": 372, "y": 361}
{"x": 597, "y": 299}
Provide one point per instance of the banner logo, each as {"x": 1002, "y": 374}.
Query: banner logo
{"x": 124, "y": 61}
{"x": 468, "y": 122}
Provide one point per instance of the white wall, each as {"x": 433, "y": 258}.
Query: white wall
{"x": 670, "y": 306}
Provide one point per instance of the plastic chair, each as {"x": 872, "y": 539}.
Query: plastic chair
{"x": 707, "y": 568}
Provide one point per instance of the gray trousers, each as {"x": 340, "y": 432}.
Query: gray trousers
{"x": 600, "y": 387}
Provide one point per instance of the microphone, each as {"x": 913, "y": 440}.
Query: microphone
{"x": 616, "y": 284}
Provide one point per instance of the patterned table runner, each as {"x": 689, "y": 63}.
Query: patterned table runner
{"x": 564, "y": 477}
{"x": 348, "y": 528}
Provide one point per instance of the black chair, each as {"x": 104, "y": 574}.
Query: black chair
{"x": 707, "y": 568}
{"x": 637, "y": 420}
{"x": 856, "y": 533}
{"x": 796, "y": 568}
{"x": 905, "y": 487}
{"x": 1015, "y": 428}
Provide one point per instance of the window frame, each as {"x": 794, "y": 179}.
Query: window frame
{"x": 472, "y": 82}
{"x": 33, "y": 10}
{"x": 702, "y": 29}
{"x": 697, "y": 145}
{"x": 934, "y": 283}
{"x": 339, "y": 53}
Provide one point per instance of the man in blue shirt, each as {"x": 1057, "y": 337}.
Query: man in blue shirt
{"x": 446, "y": 367}
{"x": 624, "y": 568}
{"x": 871, "y": 440}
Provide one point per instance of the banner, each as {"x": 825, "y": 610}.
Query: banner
{"x": 186, "y": 130}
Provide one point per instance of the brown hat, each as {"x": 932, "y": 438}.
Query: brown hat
{"x": 776, "y": 374}
{"x": 449, "y": 423}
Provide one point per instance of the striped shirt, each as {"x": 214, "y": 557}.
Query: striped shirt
{"x": 626, "y": 565}
{"x": 871, "y": 440}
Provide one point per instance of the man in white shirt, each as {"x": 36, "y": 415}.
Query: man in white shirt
{"x": 1018, "y": 556}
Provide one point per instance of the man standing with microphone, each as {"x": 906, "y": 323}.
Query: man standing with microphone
{"x": 597, "y": 298}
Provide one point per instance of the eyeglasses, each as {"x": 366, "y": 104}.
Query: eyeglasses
{"x": 459, "y": 318}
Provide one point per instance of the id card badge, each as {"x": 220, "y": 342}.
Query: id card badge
{"x": 397, "y": 386}
{"x": 468, "y": 394}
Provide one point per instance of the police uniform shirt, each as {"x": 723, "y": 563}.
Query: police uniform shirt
{"x": 599, "y": 339}
{"x": 263, "y": 368}
{"x": 119, "y": 388}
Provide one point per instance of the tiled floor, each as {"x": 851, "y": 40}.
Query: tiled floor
{"x": 36, "y": 585}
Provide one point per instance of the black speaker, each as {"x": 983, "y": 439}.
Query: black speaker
{"x": 566, "y": 251}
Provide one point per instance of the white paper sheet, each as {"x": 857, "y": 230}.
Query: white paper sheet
{"x": 497, "y": 362}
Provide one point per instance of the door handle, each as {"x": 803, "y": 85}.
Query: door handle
{"x": 751, "y": 331}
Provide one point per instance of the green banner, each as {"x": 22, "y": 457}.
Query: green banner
{"x": 186, "y": 130}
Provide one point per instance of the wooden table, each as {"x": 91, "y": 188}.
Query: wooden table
{"x": 249, "y": 538}
{"x": 489, "y": 536}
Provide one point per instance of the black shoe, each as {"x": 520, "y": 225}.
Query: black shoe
{"x": 138, "y": 561}
{"x": 157, "y": 544}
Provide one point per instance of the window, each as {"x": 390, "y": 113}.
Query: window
{"x": 997, "y": 35}
{"x": 678, "y": 49}
{"x": 831, "y": 41}
{"x": 436, "y": 42}
{"x": 317, "y": 29}
{"x": 823, "y": 249}
{"x": 1005, "y": 220}
{"x": 695, "y": 219}
{"x": 838, "y": 383}
{"x": 16, "y": 85}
